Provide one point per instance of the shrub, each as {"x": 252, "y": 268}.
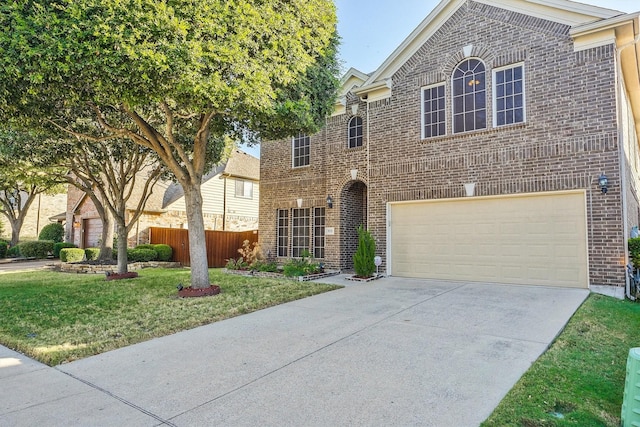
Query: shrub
{"x": 36, "y": 249}
{"x": 71, "y": 254}
{"x": 301, "y": 266}
{"x": 271, "y": 267}
{"x": 59, "y": 246}
{"x": 165, "y": 252}
{"x": 13, "y": 251}
{"x": 236, "y": 264}
{"x": 634, "y": 251}
{"x": 92, "y": 253}
{"x": 145, "y": 246}
{"x": 3, "y": 248}
{"x": 363, "y": 259}
{"x": 251, "y": 252}
{"x": 141, "y": 255}
{"x": 53, "y": 232}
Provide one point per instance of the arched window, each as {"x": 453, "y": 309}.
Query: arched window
{"x": 469, "y": 96}
{"x": 355, "y": 132}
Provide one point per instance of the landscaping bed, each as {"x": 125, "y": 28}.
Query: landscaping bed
{"x": 271, "y": 275}
{"x": 83, "y": 267}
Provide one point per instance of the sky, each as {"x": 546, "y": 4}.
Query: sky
{"x": 372, "y": 29}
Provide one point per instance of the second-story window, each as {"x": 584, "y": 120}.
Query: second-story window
{"x": 301, "y": 150}
{"x": 433, "y": 108}
{"x": 469, "y": 96}
{"x": 244, "y": 189}
{"x": 355, "y": 132}
{"x": 508, "y": 86}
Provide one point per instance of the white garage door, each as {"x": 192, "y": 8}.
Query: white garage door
{"x": 533, "y": 239}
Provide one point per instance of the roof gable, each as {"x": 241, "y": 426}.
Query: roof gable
{"x": 561, "y": 11}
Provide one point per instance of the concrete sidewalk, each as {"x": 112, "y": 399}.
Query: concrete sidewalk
{"x": 389, "y": 352}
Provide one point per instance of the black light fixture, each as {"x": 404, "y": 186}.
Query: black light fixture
{"x": 330, "y": 201}
{"x": 603, "y": 182}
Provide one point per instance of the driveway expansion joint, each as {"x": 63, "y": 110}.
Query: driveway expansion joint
{"x": 125, "y": 401}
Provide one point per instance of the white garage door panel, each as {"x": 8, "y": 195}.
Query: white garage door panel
{"x": 535, "y": 239}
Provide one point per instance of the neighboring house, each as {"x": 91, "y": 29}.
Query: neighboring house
{"x": 230, "y": 191}
{"x": 524, "y": 103}
{"x": 46, "y": 208}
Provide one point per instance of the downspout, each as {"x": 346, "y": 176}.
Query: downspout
{"x": 368, "y": 173}
{"x": 622, "y": 159}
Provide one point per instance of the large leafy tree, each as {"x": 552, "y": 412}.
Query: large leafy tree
{"x": 176, "y": 76}
{"x": 21, "y": 181}
{"x": 119, "y": 178}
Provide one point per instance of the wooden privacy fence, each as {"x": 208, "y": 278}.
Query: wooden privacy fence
{"x": 221, "y": 245}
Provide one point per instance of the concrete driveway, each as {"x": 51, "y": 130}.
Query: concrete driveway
{"x": 389, "y": 352}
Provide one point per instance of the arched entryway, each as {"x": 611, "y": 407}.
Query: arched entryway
{"x": 353, "y": 212}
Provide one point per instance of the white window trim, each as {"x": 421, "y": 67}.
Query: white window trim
{"x": 244, "y": 188}
{"x": 452, "y": 100}
{"x": 494, "y": 98}
{"x": 446, "y": 116}
{"x": 293, "y": 163}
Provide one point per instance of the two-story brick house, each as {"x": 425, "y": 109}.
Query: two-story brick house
{"x": 475, "y": 151}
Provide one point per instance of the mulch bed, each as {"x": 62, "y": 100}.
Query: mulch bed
{"x": 118, "y": 276}
{"x": 190, "y": 292}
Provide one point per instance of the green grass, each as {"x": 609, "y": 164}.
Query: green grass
{"x": 582, "y": 375}
{"x": 60, "y": 317}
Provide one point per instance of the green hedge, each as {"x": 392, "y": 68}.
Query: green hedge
{"x": 92, "y": 253}
{"x": 71, "y": 254}
{"x": 146, "y": 246}
{"x": 36, "y": 249}
{"x": 165, "y": 252}
{"x": 3, "y": 249}
{"x": 61, "y": 245}
{"x": 141, "y": 255}
{"x": 13, "y": 251}
{"x": 53, "y": 231}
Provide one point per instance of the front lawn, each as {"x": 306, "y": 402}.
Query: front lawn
{"x": 579, "y": 381}
{"x": 59, "y": 317}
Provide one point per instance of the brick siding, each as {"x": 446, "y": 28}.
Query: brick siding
{"x": 570, "y": 137}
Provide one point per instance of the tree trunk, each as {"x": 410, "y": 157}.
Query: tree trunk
{"x": 122, "y": 248}
{"x": 16, "y": 226}
{"x": 106, "y": 241}
{"x": 197, "y": 247}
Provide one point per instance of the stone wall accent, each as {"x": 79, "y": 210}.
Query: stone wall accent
{"x": 80, "y": 268}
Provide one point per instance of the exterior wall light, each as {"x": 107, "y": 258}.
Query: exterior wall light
{"x": 329, "y": 201}
{"x": 603, "y": 182}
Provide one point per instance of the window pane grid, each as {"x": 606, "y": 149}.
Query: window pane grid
{"x": 300, "y": 231}
{"x": 318, "y": 232}
{"x": 433, "y": 111}
{"x": 509, "y": 96}
{"x": 283, "y": 233}
{"x": 301, "y": 150}
{"x": 355, "y": 132}
{"x": 469, "y": 96}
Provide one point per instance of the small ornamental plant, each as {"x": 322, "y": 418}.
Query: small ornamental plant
{"x": 363, "y": 259}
